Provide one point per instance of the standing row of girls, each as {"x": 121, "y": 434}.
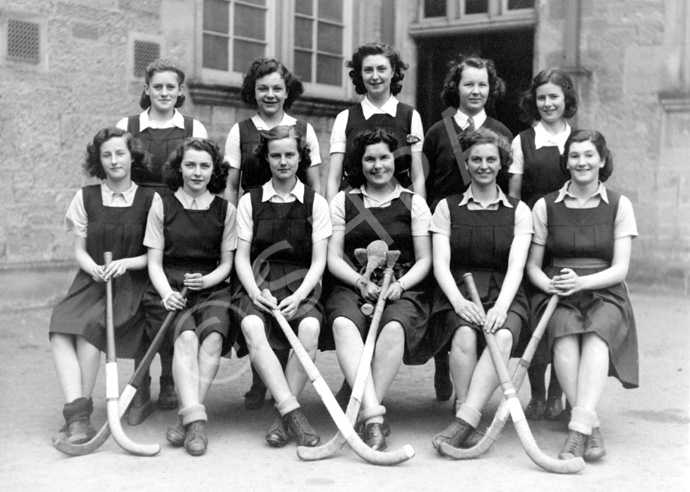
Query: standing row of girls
{"x": 375, "y": 150}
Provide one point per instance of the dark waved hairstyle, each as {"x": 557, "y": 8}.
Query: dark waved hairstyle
{"x": 485, "y": 136}
{"x": 528, "y": 101}
{"x": 161, "y": 65}
{"x": 92, "y": 164}
{"x": 279, "y": 133}
{"x": 397, "y": 64}
{"x": 599, "y": 143}
{"x": 355, "y": 175}
{"x": 266, "y": 66}
{"x": 450, "y": 95}
{"x": 172, "y": 169}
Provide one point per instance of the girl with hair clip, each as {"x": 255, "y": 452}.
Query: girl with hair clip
{"x": 191, "y": 240}
{"x": 470, "y": 88}
{"x": 283, "y": 228}
{"x": 535, "y": 172}
{"x": 592, "y": 332}
{"x": 110, "y": 216}
{"x": 162, "y": 128}
{"x": 377, "y": 73}
{"x": 272, "y": 89}
{"x": 378, "y": 207}
{"x": 486, "y": 233}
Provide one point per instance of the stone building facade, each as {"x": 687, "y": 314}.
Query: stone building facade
{"x": 70, "y": 67}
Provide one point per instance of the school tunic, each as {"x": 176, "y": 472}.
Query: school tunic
{"x": 587, "y": 235}
{"x": 281, "y": 251}
{"x": 392, "y": 224}
{"x": 119, "y": 230}
{"x": 159, "y": 143}
{"x": 193, "y": 240}
{"x": 444, "y": 178}
{"x": 400, "y": 119}
{"x": 480, "y": 243}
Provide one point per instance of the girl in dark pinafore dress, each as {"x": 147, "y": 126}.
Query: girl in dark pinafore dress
{"x": 535, "y": 172}
{"x": 585, "y": 231}
{"x": 161, "y": 128}
{"x": 488, "y": 234}
{"x": 377, "y": 207}
{"x": 283, "y": 228}
{"x": 191, "y": 241}
{"x": 111, "y": 217}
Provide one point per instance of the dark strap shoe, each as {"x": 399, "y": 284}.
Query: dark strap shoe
{"x": 167, "y": 397}
{"x": 574, "y": 446}
{"x": 299, "y": 426}
{"x": 278, "y": 436}
{"x": 376, "y": 436}
{"x": 553, "y": 408}
{"x": 176, "y": 434}
{"x": 195, "y": 441}
{"x": 594, "y": 447}
{"x": 455, "y": 434}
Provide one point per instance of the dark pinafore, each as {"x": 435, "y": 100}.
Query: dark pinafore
{"x": 400, "y": 126}
{"x": 252, "y": 173}
{"x": 193, "y": 241}
{"x": 281, "y": 254}
{"x": 159, "y": 143}
{"x": 588, "y": 234}
{"x": 393, "y": 225}
{"x": 119, "y": 230}
{"x": 480, "y": 242}
{"x": 542, "y": 170}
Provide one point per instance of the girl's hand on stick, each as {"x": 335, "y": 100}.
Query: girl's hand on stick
{"x": 567, "y": 283}
{"x": 288, "y": 307}
{"x": 264, "y": 300}
{"x": 195, "y": 281}
{"x": 495, "y": 318}
{"x": 174, "y": 301}
{"x": 468, "y": 311}
{"x": 98, "y": 273}
{"x": 394, "y": 292}
{"x": 117, "y": 268}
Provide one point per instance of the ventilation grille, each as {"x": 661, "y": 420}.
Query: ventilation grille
{"x": 145, "y": 52}
{"x": 23, "y": 41}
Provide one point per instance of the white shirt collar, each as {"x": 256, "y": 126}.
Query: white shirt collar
{"x": 203, "y": 201}
{"x": 542, "y": 138}
{"x": 269, "y": 192}
{"x": 127, "y": 195}
{"x": 176, "y": 121}
{"x": 565, "y": 191}
{"x": 390, "y": 107}
{"x": 261, "y": 124}
{"x": 501, "y": 198}
{"x": 395, "y": 193}
{"x": 461, "y": 119}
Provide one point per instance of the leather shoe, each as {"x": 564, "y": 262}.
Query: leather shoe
{"x": 455, "y": 434}
{"x": 442, "y": 383}
{"x": 553, "y": 408}
{"x": 176, "y": 434}
{"x": 167, "y": 397}
{"x": 376, "y": 436}
{"x": 80, "y": 431}
{"x": 300, "y": 429}
{"x": 574, "y": 446}
{"x": 256, "y": 396}
{"x": 195, "y": 441}
{"x": 594, "y": 447}
{"x": 535, "y": 409}
{"x": 474, "y": 438}
{"x": 278, "y": 436}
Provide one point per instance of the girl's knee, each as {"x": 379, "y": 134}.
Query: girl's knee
{"x": 392, "y": 332}
{"x": 465, "y": 341}
{"x": 254, "y": 331}
{"x": 504, "y": 338}
{"x": 343, "y": 328}
{"x": 309, "y": 330}
{"x": 213, "y": 344}
{"x": 186, "y": 343}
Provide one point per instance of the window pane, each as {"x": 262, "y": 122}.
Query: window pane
{"x": 331, "y": 10}
{"x": 476, "y": 6}
{"x": 245, "y": 52}
{"x": 303, "y": 33}
{"x": 329, "y": 70}
{"x": 216, "y": 16}
{"x": 434, "y": 8}
{"x": 255, "y": 2}
{"x": 250, "y": 22}
{"x": 303, "y": 7}
{"x": 520, "y": 4}
{"x": 215, "y": 52}
{"x": 330, "y": 38}
{"x": 303, "y": 65}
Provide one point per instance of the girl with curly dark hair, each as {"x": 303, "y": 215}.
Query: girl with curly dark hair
{"x": 377, "y": 73}
{"x": 110, "y": 216}
{"x": 283, "y": 229}
{"x": 271, "y": 88}
{"x": 550, "y": 100}
{"x": 191, "y": 241}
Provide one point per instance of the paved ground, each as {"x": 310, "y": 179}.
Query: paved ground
{"x": 645, "y": 430}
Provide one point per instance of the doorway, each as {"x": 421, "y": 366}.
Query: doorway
{"x": 512, "y": 52}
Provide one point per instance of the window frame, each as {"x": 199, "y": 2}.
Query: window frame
{"x": 5, "y": 17}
